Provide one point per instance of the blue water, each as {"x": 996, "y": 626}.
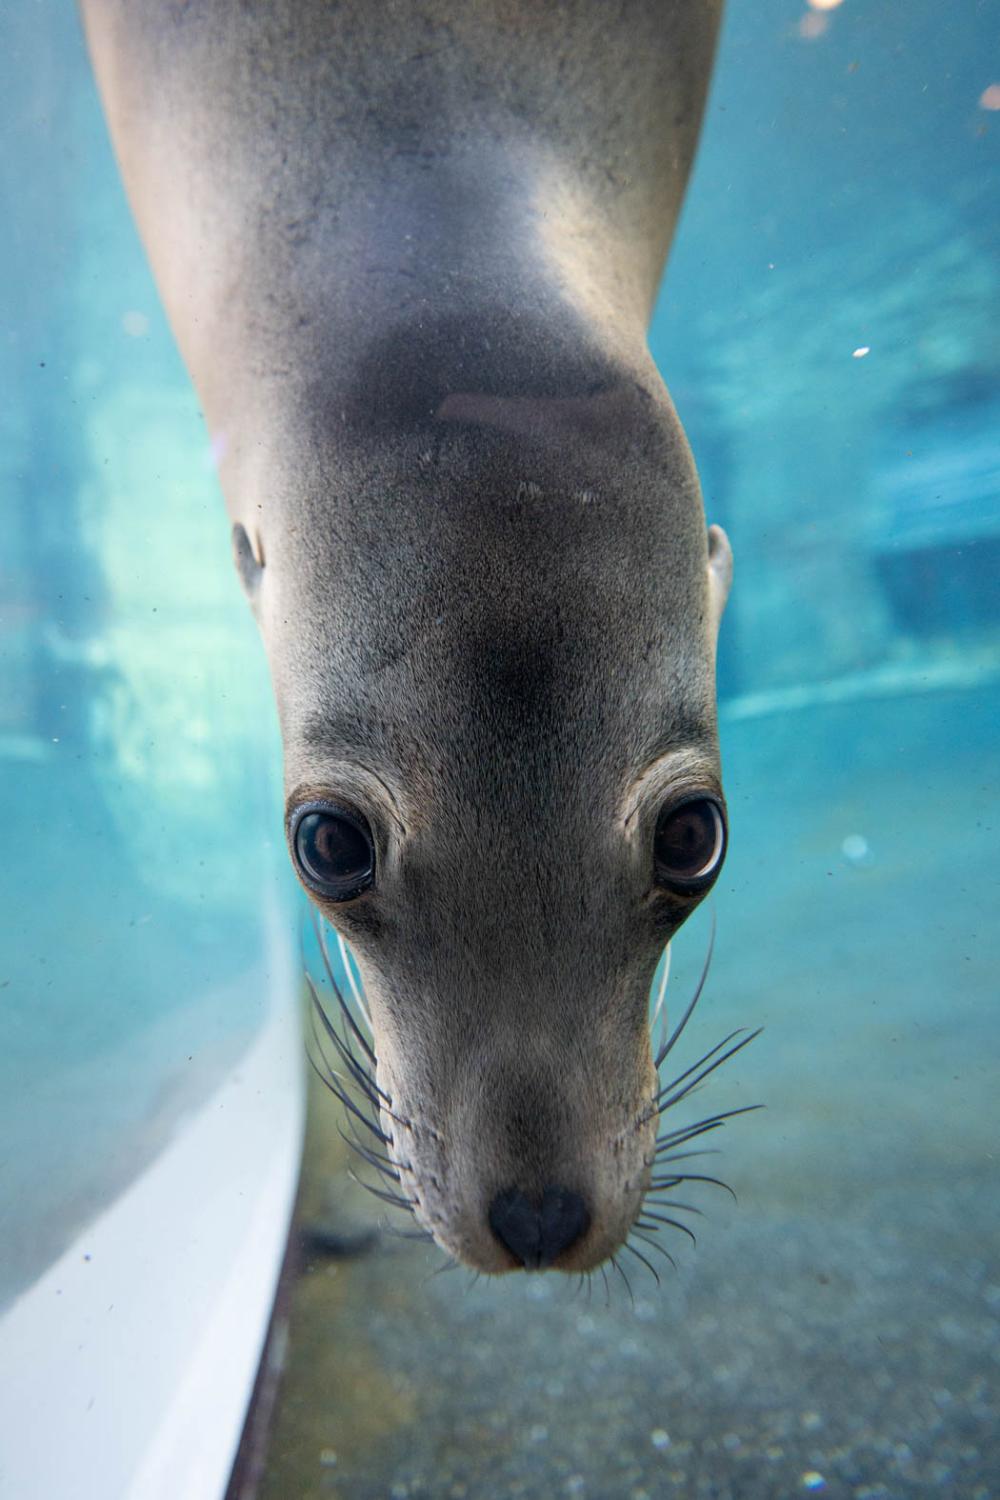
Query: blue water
{"x": 828, "y": 330}
{"x": 139, "y": 761}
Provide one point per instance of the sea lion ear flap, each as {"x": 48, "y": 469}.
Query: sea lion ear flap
{"x": 720, "y": 573}
{"x": 250, "y": 570}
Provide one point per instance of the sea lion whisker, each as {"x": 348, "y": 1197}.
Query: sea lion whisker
{"x": 628, "y": 1284}
{"x": 352, "y": 1024}
{"x": 388, "y": 1160}
{"x": 359, "y": 1077}
{"x": 700, "y": 1077}
{"x": 672, "y": 1203}
{"x": 374, "y": 1119}
{"x": 361, "y": 1073}
{"x": 607, "y": 1289}
{"x": 688, "y": 1133}
{"x": 449, "y": 1265}
{"x": 661, "y": 991}
{"x": 674, "y": 1224}
{"x": 655, "y": 1245}
{"x": 672, "y": 1182}
{"x": 681, "y": 1137}
{"x": 350, "y": 1105}
{"x": 694, "y": 1066}
{"x": 706, "y": 1122}
{"x": 396, "y": 1199}
{"x": 710, "y": 1122}
{"x": 664, "y": 1153}
{"x": 346, "y": 959}
{"x": 369, "y": 1060}
{"x": 328, "y": 1073}
{"x": 379, "y": 1109}
{"x": 346, "y": 1083}
{"x": 647, "y": 1263}
{"x": 397, "y": 1164}
{"x": 678, "y": 1029}
{"x": 680, "y": 1133}
{"x": 378, "y": 1162}
{"x": 325, "y": 1078}
{"x": 684, "y": 1155}
{"x": 348, "y": 1014}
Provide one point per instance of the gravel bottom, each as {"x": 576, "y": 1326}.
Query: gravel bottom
{"x": 784, "y": 1358}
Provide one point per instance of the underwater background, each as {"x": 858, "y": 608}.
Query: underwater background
{"x": 829, "y": 329}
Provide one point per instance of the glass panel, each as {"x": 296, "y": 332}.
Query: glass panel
{"x": 144, "y": 921}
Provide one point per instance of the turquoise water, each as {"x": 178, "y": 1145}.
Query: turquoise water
{"x": 139, "y": 783}
{"x": 828, "y": 330}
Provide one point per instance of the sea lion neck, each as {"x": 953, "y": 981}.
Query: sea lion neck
{"x": 437, "y": 287}
{"x": 304, "y": 174}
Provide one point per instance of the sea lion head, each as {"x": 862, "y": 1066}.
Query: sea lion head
{"x": 492, "y": 634}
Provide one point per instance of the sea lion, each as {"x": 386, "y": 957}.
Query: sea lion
{"x": 410, "y": 252}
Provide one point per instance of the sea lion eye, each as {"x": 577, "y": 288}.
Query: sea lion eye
{"x": 333, "y": 850}
{"x": 690, "y": 844}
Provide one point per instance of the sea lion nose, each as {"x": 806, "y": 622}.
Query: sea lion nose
{"x": 537, "y": 1236}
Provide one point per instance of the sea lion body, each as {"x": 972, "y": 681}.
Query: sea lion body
{"x": 410, "y": 253}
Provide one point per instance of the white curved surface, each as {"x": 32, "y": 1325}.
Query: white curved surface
{"x": 127, "y": 1368}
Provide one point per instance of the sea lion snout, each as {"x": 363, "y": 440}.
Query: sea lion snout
{"x": 537, "y": 1233}
{"x": 521, "y": 1134}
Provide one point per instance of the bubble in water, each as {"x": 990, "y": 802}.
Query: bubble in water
{"x": 856, "y": 849}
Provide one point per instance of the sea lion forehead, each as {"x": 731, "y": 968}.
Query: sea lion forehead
{"x": 505, "y": 737}
{"x": 505, "y": 492}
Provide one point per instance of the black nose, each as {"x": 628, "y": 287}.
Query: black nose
{"x": 538, "y": 1236}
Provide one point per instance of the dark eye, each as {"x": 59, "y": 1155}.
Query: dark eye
{"x": 690, "y": 844}
{"x": 334, "y": 851}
